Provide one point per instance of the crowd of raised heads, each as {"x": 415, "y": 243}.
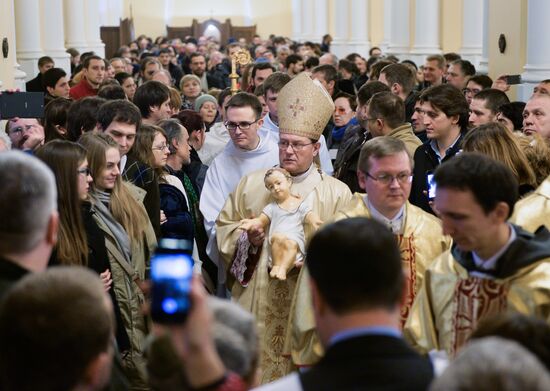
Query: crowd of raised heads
{"x": 355, "y": 223}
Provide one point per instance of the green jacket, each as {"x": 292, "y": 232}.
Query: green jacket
{"x": 129, "y": 295}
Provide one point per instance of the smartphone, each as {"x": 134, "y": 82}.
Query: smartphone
{"x": 171, "y": 275}
{"x": 431, "y": 185}
{"x": 513, "y": 79}
{"x": 22, "y": 105}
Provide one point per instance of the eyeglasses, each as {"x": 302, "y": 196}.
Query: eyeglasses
{"x": 241, "y": 125}
{"x": 21, "y": 129}
{"x": 369, "y": 119}
{"x": 84, "y": 171}
{"x": 160, "y": 147}
{"x": 283, "y": 145}
{"x": 386, "y": 179}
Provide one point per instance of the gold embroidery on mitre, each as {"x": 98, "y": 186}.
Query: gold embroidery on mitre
{"x": 304, "y": 108}
{"x": 296, "y": 107}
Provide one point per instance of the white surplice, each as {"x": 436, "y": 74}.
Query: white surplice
{"x": 214, "y": 142}
{"x": 222, "y": 177}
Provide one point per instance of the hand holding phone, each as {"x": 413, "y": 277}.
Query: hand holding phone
{"x": 33, "y": 137}
{"x": 171, "y": 274}
{"x": 193, "y": 340}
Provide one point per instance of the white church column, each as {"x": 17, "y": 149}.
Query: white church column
{"x": 472, "y": 31}
{"x": 10, "y": 74}
{"x": 27, "y": 27}
{"x": 297, "y": 20}
{"x": 110, "y": 12}
{"x": 53, "y": 33}
{"x": 426, "y": 36}
{"x": 308, "y": 7}
{"x": 75, "y": 36}
{"x": 387, "y": 26}
{"x": 93, "y": 36}
{"x": 247, "y": 13}
{"x": 484, "y": 61}
{"x": 339, "y": 44}
{"x": 169, "y": 12}
{"x": 321, "y": 20}
{"x": 359, "y": 40}
{"x": 537, "y": 66}
{"x": 399, "y": 36}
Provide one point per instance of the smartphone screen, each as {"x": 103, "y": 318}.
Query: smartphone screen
{"x": 431, "y": 185}
{"x": 171, "y": 274}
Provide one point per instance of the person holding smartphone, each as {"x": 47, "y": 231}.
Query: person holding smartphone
{"x": 445, "y": 113}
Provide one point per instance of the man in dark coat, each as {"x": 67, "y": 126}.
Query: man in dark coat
{"x": 36, "y": 84}
{"x": 28, "y": 212}
{"x": 445, "y": 114}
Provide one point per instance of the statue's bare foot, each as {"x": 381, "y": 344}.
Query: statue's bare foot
{"x": 281, "y": 274}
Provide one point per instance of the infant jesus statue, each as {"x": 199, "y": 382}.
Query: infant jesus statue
{"x": 286, "y": 217}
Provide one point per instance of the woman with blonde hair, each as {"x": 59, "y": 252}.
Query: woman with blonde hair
{"x": 496, "y": 141}
{"x": 537, "y": 152}
{"x": 130, "y": 241}
{"x": 80, "y": 240}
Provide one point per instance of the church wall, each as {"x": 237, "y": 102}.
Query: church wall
{"x": 273, "y": 17}
{"x": 376, "y": 22}
{"x": 451, "y": 25}
{"x": 7, "y": 29}
{"x": 331, "y": 18}
{"x": 511, "y": 21}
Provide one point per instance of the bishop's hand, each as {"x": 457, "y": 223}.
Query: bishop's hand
{"x": 256, "y": 236}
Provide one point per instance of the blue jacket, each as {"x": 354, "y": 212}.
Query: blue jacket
{"x": 179, "y": 224}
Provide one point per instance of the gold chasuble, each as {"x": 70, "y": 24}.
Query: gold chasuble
{"x": 422, "y": 241}
{"x": 456, "y": 296}
{"x": 534, "y": 210}
{"x": 304, "y": 108}
{"x": 268, "y": 298}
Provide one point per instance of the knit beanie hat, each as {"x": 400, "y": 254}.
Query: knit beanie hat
{"x": 203, "y": 99}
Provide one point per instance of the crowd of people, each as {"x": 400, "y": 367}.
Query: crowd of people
{"x": 356, "y": 223}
